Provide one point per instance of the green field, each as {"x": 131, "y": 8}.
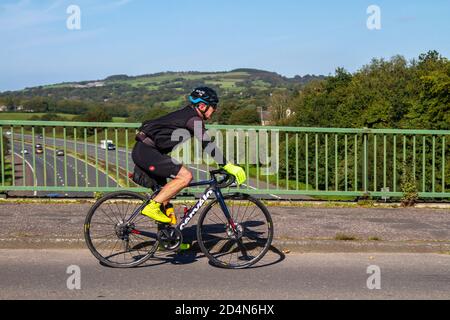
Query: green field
{"x": 28, "y": 115}
{"x": 174, "y": 103}
{"x": 226, "y": 80}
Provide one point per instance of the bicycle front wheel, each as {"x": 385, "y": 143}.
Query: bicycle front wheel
{"x": 235, "y": 250}
{"x": 112, "y": 238}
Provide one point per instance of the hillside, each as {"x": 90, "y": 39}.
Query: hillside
{"x": 168, "y": 88}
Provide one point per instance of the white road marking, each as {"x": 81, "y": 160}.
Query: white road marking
{"x": 32, "y": 170}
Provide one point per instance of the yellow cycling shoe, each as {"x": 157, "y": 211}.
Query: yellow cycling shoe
{"x": 153, "y": 211}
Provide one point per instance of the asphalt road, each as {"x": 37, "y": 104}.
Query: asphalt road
{"x": 35, "y": 274}
{"x": 56, "y": 174}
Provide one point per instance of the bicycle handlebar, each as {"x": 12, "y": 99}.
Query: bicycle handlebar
{"x": 227, "y": 181}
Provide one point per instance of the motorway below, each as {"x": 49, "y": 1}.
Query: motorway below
{"x": 122, "y": 157}
{"x": 42, "y": 274}
{"x": 57, "y": 174}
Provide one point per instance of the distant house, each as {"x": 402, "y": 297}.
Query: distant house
{"x": 96, "y": 84}
{"x": 267, "y": 118}
{"x": 3, "y": 108}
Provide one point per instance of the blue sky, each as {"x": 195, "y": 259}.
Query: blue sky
{"x": 145, "y": 36}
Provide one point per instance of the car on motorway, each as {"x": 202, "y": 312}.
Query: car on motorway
{"x": 107, "y": 145}
{"x": 60, "y": 153}
{"x": 39, "y": 148}
{"x": 24, "y": 151}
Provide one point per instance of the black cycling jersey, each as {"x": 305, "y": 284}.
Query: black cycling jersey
{"x": 161, "y": 131}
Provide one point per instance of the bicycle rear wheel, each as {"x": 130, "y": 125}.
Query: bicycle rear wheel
{"x": 111, "y": 239}
{"x": 221, "y": 245}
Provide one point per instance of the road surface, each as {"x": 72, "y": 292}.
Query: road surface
{"x": 35, "y": 274}
{"x": 79, "y": 173}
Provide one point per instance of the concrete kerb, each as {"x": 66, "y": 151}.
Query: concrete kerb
{"x": 269, "y": 203}
{"x": 285, "y": 246}
{"x": 327, "y": 244}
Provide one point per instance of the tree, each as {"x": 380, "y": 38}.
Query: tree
{"x": 48, "y": 117}
{"x": 10, "y": 104}
{"x": 279, "y": 104}
{"x": 155, "y": 112}
{"x": 246, "y": 116}
{"x": 100, "y": 114}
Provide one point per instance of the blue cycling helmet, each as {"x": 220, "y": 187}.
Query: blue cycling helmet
{"x": 205, "y": 95}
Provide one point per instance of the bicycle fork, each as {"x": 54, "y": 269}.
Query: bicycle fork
{"x": 235, "y": 228}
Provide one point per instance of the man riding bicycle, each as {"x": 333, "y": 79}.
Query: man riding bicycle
{"x": 155, "y": 141}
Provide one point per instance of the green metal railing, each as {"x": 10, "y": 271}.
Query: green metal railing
{"x": 278, "y": 160}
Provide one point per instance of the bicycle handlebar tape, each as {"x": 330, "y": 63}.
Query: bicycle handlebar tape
{"x": 236, "y": 171}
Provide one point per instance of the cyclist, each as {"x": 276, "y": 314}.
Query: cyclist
{"x": 155, "y": 141}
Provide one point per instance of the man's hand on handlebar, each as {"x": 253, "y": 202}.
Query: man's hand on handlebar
{"x": 236, "y": 171}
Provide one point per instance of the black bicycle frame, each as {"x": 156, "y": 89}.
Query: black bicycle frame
{"x": 212, "y": 189}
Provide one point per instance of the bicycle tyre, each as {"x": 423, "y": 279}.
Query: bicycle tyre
{"x": 89, "y": 224}
{"x": 203, "y": 237}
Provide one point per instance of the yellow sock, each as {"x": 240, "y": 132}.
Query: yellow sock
{"x": 170, "y": 212}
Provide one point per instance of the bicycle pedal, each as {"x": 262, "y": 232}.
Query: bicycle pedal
{"x": 184, "y": 247}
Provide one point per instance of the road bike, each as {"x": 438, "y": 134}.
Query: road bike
{"x": 234, "y": 231}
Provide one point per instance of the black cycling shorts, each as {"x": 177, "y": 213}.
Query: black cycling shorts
{"x": 157, "y": 165}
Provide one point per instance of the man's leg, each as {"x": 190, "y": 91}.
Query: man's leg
{"x": 159, "y": 167}
{"x": 154, "y": 210}
{"x": 171, "y": 189}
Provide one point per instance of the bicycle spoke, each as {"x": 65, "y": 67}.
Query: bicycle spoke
{"x": 100, "y": 237}
{"x": 242, "y": 247}
{"x": 218, "y": 217}
{"x": 118, "y": 211}
{"x": 132, "y": 212}
{"x": 246, "y": 245}
{"x": 105, "y": 224}
{"x": 101, "y": 243}
{"x": 245, "y": 212}
{"x": 231, "y": 255}
{"x": 111, "y": 240}
{"x": 113, "y": 212}
{"x": 217, "y": 223}
{"x": 114, "y": 248}
{"x": 115, "y": 221}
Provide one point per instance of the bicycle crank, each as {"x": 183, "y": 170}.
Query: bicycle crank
{"x": 170, "y": 238}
